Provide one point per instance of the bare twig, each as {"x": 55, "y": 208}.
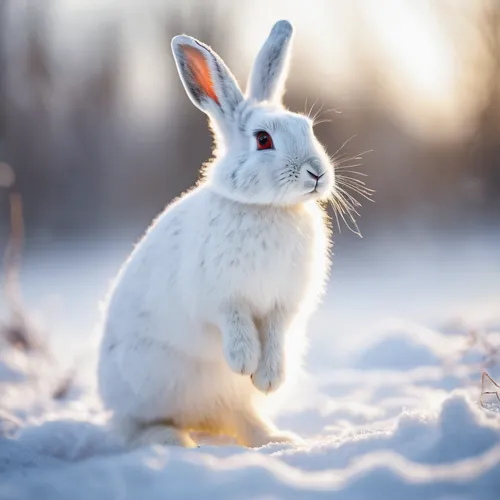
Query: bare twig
{"x": 18, "y": 332}
{"x": 485, "y": 377}
{"x": 63, "y": 388}
{"x": 479, "y": 340}
{"x": 13, "y": 251}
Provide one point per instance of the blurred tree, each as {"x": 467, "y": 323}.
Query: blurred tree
{"x": 3, "y": 76}
{"x": 27, "y": 125}
{"x": 95, "y": 145}
{"x": 487, "y": 139}
{"x": 88, "y": 137}
{"x": 476, "y": 30}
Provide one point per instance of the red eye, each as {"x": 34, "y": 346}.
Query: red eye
{"x": 264, "y": 140}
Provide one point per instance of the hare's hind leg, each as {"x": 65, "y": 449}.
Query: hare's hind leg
{"x": 254, "y": 431}
{"x": 164, "y": 433}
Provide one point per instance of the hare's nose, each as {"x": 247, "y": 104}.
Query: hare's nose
{"x": 313, "y": 167}
{"x": 313, "y": 175}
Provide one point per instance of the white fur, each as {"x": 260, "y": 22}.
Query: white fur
{"x": 207, "y": 313}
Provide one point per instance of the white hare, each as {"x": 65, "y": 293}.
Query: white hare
{"x": 207, "y": 311}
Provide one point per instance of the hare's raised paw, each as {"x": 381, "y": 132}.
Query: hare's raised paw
{"x": 268, "y": 377}
{"x": 242, "y": 355}
{"x": 240, "y": 340}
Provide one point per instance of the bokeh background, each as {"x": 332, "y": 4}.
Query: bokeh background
{"x": 97, "y": 129}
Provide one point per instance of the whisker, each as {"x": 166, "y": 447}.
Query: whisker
{"x": 332, "y": 202}
{"x": 354, "y": 172}
{"x": 346, "y": 202}
{"x": 345, "y": 167}
{"x": 319, "y": 122}
{"x": 344, "y": 198}
{"x": 351, "y": 202}
{"x": 317, "y": 113}
{"x": 340, "y": 161}
{"x": 354, "y": 157}
{"x": 351, "y": 179}
{"x": 312, "y": 107}
{"x": 356, "y": 187}
{"x": 354, "y": 228}
{"x": 345, "y": 208}
{"x": 366, "y": 196}
{"x": 341, "y": 184}
{"x": 355, "y": 183}
{"x": 345, "y": 143}
{"x": 342, "y": 158}
{"x": 329, "y": 110}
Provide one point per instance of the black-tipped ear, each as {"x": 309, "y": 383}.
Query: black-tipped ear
{"x": 207, "y": 80}
{"x": 267, "y": 81}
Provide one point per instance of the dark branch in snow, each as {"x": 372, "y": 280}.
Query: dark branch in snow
{"x": 485, "y": 380}
{"x": 18, "y": 332}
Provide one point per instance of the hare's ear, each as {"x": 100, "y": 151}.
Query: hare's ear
{"x": 207, "y": 80}
{"x": 267, "y": 81}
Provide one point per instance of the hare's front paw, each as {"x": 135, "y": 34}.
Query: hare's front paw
{"x": 242, "y": 351}
{"x": 269, "y": 375}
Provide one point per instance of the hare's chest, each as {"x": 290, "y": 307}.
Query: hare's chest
{"x": 280, "y": 268}
{"x": 264, "y": 257}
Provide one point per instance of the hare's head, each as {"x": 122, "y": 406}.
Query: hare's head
{"x": 265, "y": 154}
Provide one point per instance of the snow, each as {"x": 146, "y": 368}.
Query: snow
{"x": 394, "y": 413}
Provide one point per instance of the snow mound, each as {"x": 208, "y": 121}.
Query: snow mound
{"x": 401, "y": 345}
{"x": 450, "y": 450}
{"x": 396, "y": 432}
{"x": 455, "y": 452}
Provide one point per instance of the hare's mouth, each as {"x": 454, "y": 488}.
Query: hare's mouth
{"x": 317, "y": 185}
{"x": 318, "y": 193}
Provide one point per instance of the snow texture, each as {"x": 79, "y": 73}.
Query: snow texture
{"x": 402, "y": 422}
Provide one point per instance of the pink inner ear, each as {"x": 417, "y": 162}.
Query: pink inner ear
{"x": 200, "y": 70}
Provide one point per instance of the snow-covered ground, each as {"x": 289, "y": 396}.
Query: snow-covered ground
{"x": 388, "y": 407}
